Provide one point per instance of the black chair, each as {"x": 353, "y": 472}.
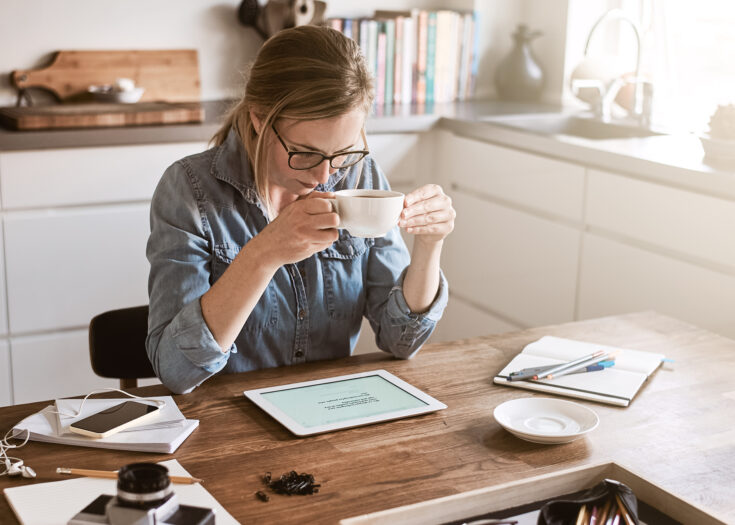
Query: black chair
{"x": 117, "y": 345}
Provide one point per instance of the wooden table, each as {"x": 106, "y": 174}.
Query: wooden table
{"x": 679, "y": 432}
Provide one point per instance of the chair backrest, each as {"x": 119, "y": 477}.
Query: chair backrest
{"x": 117, "y": 345}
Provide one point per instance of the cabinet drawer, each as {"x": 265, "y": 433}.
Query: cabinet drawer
{"x": 6, "y": 394}
{"x": 514, "y": 176}
{"x": 513, "y": 263}
{"x": 65, "y": 266}
{"x": 617, "y": 279}
{"x": 72, "y": 176}
{"x": 53, "y": 366}
{"x": 3, "y": 296}
{"x": 686, "y": 222}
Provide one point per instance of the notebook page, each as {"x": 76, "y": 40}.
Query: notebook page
{"x": 564, "y": 350}
{"x": 56, "y": 502}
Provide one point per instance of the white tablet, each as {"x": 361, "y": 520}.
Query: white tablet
{"x": 324, "y": 405}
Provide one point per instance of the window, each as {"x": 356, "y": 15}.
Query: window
{"x": 686, "y": 51}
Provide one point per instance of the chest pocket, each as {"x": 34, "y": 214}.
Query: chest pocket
{"x": 343, "y": 267}
{"x": 265, "y": 313}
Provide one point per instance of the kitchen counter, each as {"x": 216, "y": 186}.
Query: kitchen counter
{"x": 674, "y": 159}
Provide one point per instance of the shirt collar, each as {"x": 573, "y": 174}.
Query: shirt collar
{"x": 231, "y": 165}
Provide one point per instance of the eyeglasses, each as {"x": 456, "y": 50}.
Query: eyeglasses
{"x": 305, "y": 160}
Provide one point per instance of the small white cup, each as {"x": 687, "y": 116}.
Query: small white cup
{"x": 368, "y": 213}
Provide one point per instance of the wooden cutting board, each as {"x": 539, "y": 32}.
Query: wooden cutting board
{"x": 167, "y": 75}
{"x": 100, "y": 115}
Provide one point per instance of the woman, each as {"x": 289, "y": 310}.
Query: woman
{"x": 248, "y": 268}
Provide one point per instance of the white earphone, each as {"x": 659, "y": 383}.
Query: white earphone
{"x": 14, "y": 466}
{"x": 19, "y": 469}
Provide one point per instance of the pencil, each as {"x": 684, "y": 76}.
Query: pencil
{"x": 623, "y": 511}
{"x": 112, "y": 474}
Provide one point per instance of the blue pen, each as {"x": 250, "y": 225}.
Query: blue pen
{"x": 602, "y": 365}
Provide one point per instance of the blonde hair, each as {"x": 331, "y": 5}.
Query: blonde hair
{"x": 302, "y": 73}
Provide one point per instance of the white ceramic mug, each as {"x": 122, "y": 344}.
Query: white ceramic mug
{"x": 368, "y": 213}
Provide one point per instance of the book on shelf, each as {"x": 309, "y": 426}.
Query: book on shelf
{"x": 424, "y": 55}
{"x": 616, "y": 385}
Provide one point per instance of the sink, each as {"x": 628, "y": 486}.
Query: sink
{"x": 576, "y": 126}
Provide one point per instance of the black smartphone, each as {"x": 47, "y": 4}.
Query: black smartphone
{"x": 114, "y": 419}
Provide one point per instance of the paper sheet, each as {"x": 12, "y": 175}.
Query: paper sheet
{"x": 56, "y": 502}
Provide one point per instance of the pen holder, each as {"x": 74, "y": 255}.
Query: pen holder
{"x": 605, "y": 500}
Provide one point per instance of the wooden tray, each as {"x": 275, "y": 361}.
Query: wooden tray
{"x": 170, "y": 75}
{"x": 100, "y": 115}
{"x": 524, "y": 492}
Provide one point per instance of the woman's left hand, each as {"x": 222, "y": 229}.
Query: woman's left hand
{"x": 428, "y": 213}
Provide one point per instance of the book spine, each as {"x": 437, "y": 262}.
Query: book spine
{"x": 390, "y": 55}
{"x": 380, "y": 73}
{"x": 347, "y": 28}
{"x": 466, "y": 55}
{"x": 475, "y": 48}
{"x": 363, "y": 39}
{"x": 336, "y": 23}
{"x": 372, "y": 50}
{"x": 430, "y": 56}
{"x": 409, "y": 59}
{"x": 398, "y": 62}
{"x": 423, "y": 33}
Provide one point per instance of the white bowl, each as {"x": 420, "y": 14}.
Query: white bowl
{"x": 717, "y": 148}
{"x": 109, "y": 94}
{"x": 546, "y": 420}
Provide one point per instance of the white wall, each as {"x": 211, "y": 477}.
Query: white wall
{"x": 33, "y": 29}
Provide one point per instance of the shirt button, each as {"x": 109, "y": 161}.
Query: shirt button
{"x": 299, "y": 353}
{"x": 302, "y": 272}
{"x": 302, "y": 314}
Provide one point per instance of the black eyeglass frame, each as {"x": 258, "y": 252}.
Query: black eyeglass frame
{"x": 364, "y": 153}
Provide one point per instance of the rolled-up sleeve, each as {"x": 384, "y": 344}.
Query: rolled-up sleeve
{"x": 180, "y": 346}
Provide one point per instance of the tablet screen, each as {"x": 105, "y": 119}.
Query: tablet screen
{"x": 343, "y": 400}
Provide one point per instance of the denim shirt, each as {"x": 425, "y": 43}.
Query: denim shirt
{"x": 204, "y": 210}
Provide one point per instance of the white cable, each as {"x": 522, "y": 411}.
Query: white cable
{"x": 160, "y": 402}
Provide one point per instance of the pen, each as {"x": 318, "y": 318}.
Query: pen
{"x": 112, "y": 474}
{"x": 596, "y": 356}
{"x": 572, "y": 369}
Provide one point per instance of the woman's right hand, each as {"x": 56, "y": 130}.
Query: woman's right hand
{"x": 304, "y": 227}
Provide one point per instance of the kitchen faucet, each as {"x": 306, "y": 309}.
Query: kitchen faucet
{"x": 607, "y": 91}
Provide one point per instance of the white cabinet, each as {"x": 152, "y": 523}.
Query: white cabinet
{"x": 462, "y": 320}
{"x": 55, "y": 365}
{"x": 617, "y": 278}
{"x": 76, "y": 176}
{"x": 6, "y": 378}
{"x": 75, "y": 226}
{"x": 513, "y": 263}
{"x": 64, "y": 266}
{"x": 514, "y": 253}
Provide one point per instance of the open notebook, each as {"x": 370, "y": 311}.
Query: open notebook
{"x": 616, "y": 385}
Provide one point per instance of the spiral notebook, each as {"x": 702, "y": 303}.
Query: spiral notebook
{"x": 616, "y": 385}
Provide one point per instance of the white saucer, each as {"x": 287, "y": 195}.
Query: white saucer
{"x": 545, "y": 419}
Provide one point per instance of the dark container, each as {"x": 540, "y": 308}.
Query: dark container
{"x": 519, "y": 77}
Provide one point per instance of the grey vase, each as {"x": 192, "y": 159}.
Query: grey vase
{"x": 519, "y": 77}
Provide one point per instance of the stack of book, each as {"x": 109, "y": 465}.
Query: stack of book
{"x": 417, "y": 56}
